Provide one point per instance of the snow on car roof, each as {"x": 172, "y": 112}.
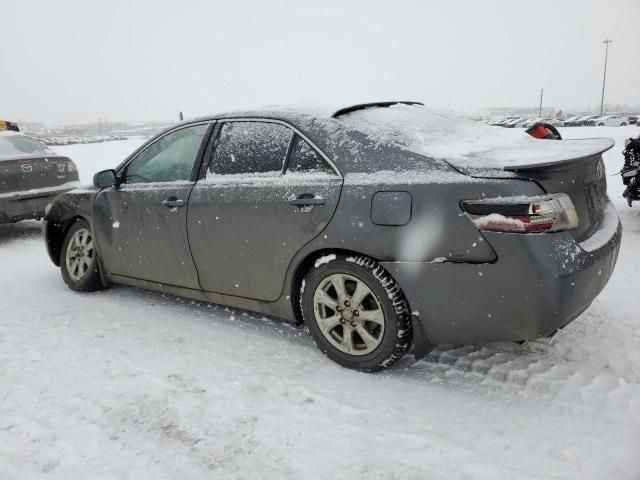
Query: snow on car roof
{"x": 352, "y": 137}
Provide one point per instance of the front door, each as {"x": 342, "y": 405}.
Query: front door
{"x": 251, "y": 215}
{"x": 140, "y": 227}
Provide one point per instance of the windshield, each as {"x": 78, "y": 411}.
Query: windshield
{"x": 19, "y": 146}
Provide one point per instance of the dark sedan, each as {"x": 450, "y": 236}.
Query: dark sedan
{"x": 30, "y": 176}
{"x": 382, "y": 227}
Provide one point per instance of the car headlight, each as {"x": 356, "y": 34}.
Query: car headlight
{"x": 48, "y": 208}
{"x": 71, "y": 167}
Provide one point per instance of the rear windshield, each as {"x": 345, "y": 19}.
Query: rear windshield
{"x": 425, "y": 131}
{"x": 19, "y": 146}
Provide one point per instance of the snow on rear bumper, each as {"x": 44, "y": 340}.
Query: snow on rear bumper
{"x": 538, "y": 284}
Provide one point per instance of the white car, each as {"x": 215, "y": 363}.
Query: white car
{"x": 533, "y": 121}
{"x": 528, "y": 122}
{"x": 511, "y": 122}
{"x": 610, "y": 121}
{"x": 586, "y": 120}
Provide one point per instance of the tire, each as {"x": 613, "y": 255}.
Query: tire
{"x": 623, "y": 124}
{"x": 601, "y": 124}
{"x": 369, "y": 333}
{"x": 79, "y": 263}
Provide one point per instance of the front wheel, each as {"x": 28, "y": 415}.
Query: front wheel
{"x": 623, "y": 124}
{"x": 356, "y": 312}
{"x": 79, "y": 258}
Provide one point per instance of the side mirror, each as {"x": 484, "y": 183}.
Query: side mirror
{"x": 105, "y": 178}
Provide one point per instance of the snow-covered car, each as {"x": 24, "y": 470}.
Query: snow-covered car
{"x": 511, "y": 122}
{"x": 532, "y": 121}
{"x": 521, "y": 122}
{"x": 379, "y": 226}
{"x": 554, "y": 121}
{"x": 30, "y": 176}
{"x": 609, "y": 121}
{"x": 586, "y": 121}
{"x": 571, "y": 121}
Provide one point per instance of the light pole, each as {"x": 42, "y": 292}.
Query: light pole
{"x": 541, "y": 94}
{"x": 604, "y": 77}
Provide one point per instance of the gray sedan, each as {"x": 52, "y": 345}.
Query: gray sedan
{"x": 383, "y": 227}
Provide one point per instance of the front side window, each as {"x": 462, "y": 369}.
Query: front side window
{"x": 304, "y": 159}
{"x": 250, "y": 148}
{"x": 169, "y": 159}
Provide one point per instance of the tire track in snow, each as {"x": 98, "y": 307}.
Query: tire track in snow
{"x": 534, "y": 369}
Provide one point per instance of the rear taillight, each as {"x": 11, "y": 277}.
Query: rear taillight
{"x": 544, "y": 213}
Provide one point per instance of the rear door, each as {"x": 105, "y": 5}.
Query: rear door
{"x": 251, "y": 213}
{"x": 140, "y": 226}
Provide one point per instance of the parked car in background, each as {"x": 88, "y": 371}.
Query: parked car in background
{"x": 571, "y": 121}
{"x": 501, "y": 123}
{"x": 512, "y": 122}
{"x": 30, "y": 176}
{"x": 379, "y": 226}
{"x": 613, "y": 120}
{"x": 587, "y": 121}
{"x": 521, "y": 123}
{"x": 532, "y": 121}
{"x": 632, "y": 120}
{"x": 575, "y": 122}
{"x": 556, "y": 122}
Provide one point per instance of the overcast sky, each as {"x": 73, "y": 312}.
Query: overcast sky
{"x": 75, "y": 61}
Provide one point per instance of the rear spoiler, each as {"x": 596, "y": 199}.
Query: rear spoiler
{"x": 4, "y": 125}
{"x": 577, "y": 152}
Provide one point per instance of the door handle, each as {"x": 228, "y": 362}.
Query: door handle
{"x": 307, "y": 199}
{"x": 173, "y": 202}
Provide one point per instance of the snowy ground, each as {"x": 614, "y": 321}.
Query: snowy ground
{"x": 129, "y": 384}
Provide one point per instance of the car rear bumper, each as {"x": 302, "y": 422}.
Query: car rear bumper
{"x": 538, "y": 284}
{"x": 28, "y": 204}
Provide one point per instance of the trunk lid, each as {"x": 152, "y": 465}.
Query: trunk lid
{"x": 25, "y": 176}
{"x": 583, "y": 179}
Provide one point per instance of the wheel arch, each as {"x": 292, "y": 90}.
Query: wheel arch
{"x": 55, "y": 231}
{"x": 303, "y": 268}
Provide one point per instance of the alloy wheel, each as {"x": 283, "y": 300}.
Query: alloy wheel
{"x": 348, "y": 314}
{"x": 80, "y": 253}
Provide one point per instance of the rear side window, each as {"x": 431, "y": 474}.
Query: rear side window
{"x": 250, "y": 147}
{"x": 16, "y": 146}
{"x": 304, "y": 159}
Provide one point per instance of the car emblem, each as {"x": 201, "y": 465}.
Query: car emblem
{"x": 27, "y": 167}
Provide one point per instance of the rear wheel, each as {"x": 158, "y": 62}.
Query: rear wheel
{"x": 601, "y": 124}
{"x": 623, "y": 124}
{"x": 356, "y": 313}
{"x": 79, "y": 258}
